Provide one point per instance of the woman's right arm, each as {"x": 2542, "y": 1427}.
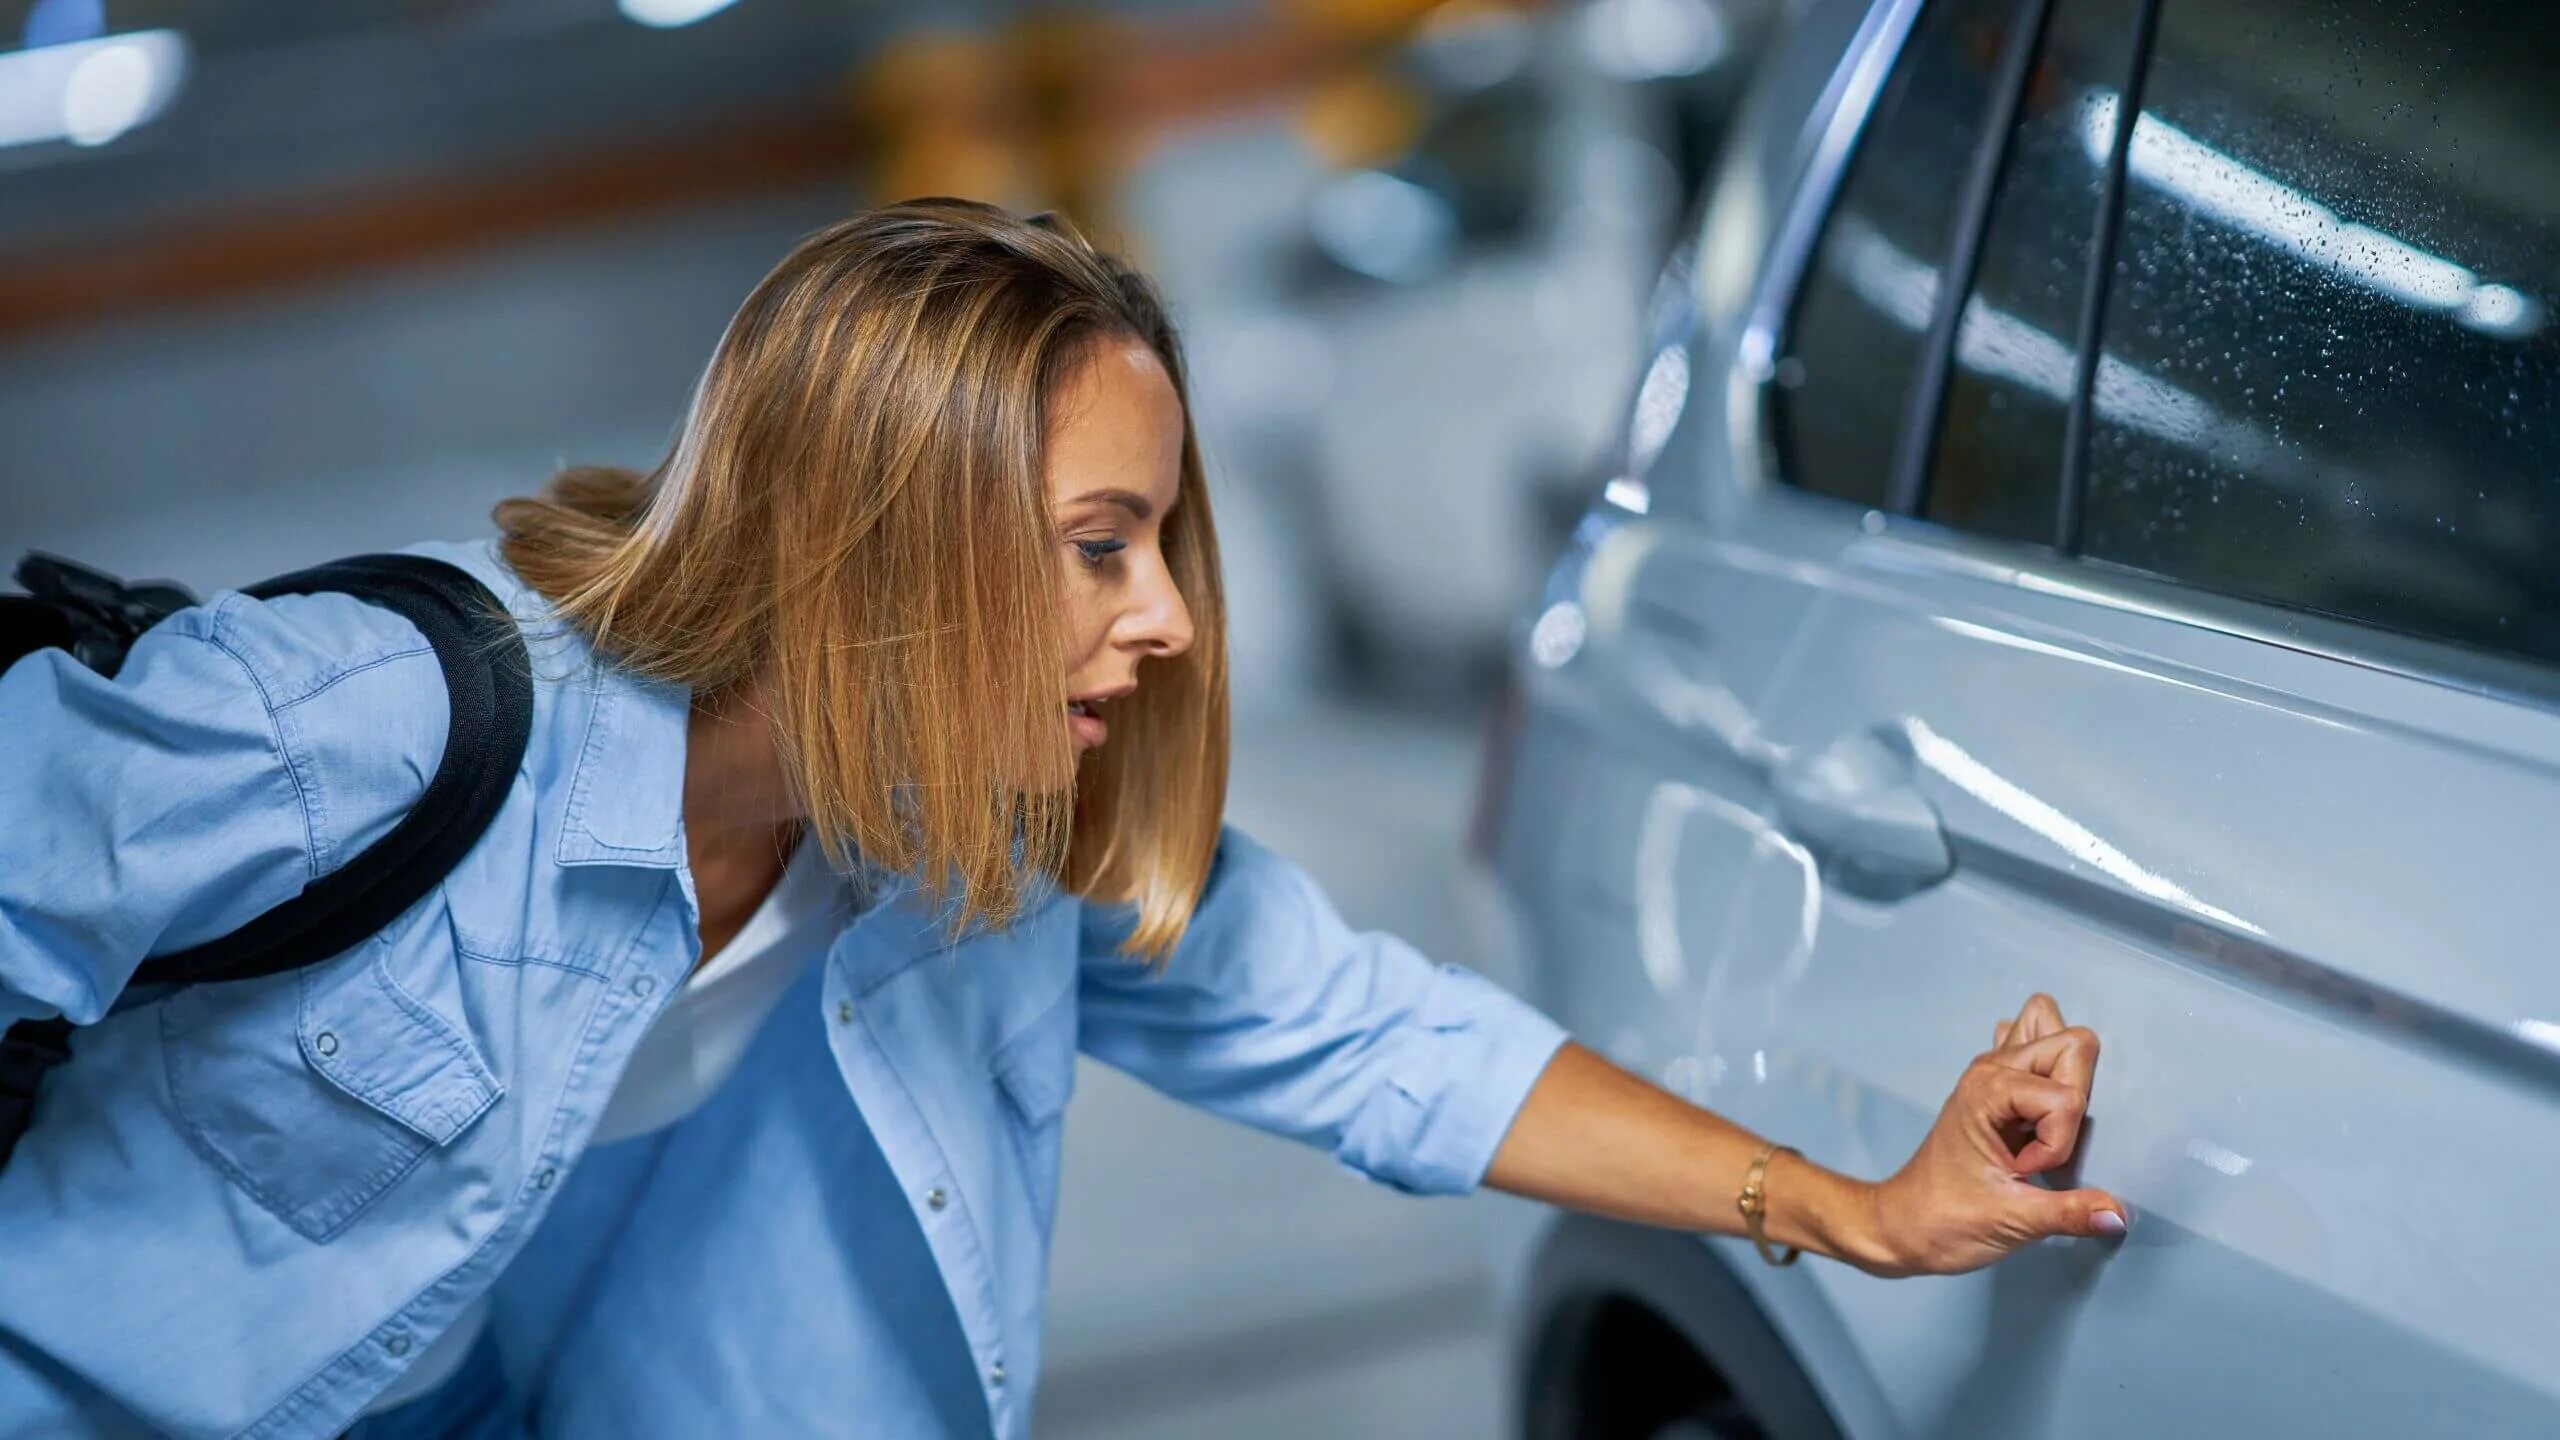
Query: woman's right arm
{"x": 138, "y": 815}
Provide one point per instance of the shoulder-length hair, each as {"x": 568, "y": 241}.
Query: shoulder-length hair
{"x": 853, "y": 517}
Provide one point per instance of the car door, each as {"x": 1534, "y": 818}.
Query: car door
{"x": 2185, "y": 647}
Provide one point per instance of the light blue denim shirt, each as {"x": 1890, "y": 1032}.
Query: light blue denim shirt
{"x": 246, "y": 1208}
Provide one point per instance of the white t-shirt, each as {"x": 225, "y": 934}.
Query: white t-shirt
{"x": 704, "y": 1031}
{"x": 692, "y": 1047}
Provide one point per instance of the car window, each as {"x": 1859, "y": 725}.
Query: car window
{"x": 1862, "y": 315}
{"x": 2331, "y": 372}
{"x": 1998, "y": 462}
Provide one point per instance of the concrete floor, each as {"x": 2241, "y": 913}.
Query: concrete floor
{"x": 1419, "y": 1385}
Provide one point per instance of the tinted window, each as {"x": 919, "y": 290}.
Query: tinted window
{"x": 2332, "y": 375}
{"x": 1859, "y": 323}
{"x": 1998, "y": 465}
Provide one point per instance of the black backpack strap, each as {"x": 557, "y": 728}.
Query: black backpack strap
{"x": 27, "y": 1051}
{"x": 489, "y": 684}
{"x": 90, "y": 613}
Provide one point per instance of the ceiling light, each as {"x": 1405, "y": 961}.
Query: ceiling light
{"x": 669, "y": 14}
{"x": 90, "y": 91}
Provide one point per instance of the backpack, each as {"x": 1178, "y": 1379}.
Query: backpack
{"x": 487, "y": 681}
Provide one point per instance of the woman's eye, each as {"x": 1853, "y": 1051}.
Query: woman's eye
{"x": 1097, "y": 551}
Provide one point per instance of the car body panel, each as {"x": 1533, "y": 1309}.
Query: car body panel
{"x": 2290, "y": 870}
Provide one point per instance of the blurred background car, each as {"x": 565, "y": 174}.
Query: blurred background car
{"x": 2088, "y": 528}
{"x": 302, "y": 278}
{"x": 1432, "y": 331}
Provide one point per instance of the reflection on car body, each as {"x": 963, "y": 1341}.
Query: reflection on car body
{"x": 2106, "y": 558}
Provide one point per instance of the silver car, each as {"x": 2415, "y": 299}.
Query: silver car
{"x": 2114, "y": 559}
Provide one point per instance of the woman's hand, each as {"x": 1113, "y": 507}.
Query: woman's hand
{"x": 1596, "y": 1138}
{"x": 1967, "y": 1197}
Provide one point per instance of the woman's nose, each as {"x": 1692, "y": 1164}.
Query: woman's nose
{"x": 1159, "y": 624}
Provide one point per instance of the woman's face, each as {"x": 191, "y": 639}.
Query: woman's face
{"x": 1113, "y": 472}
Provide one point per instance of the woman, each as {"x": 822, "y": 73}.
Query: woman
{"x": 877, "y": 763}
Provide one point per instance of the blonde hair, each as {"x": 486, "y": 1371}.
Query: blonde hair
{"x": 854, "y": 514}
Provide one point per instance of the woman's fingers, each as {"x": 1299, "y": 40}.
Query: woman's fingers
{"x": 2068, "y": 1055}
{"x": 1967, "y": 1196}
{"x": 2037, "y": 1018}
{"x": 2070, "y": 1212}
{"x": 2068, "y": 1058}
{"x": 2021, "y": 1102}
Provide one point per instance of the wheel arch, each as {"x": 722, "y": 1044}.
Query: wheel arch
{"x": 1587, "y": 1367}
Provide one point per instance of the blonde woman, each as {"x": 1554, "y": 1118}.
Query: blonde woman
{"x": 878, "y": 754}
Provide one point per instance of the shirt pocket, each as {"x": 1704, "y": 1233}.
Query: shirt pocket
{"x": 315, "y": 1091}
{"x": 1036, "y": 1071}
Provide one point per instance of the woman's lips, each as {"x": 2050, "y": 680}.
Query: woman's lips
{"x": 1086, "y": 726}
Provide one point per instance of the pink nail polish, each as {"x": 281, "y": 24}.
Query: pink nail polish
{"x": 2108, "y": 1222}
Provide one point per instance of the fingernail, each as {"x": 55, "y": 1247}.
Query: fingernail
{"x": 2107, "y": 1222}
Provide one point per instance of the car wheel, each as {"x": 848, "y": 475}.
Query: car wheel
{"x": 1723, "y": 1420}
{"x": 1628, "y": 1333}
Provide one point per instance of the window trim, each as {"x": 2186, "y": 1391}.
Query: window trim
{"x": 1908, "y": 487}
{"x": 1831, "y": 134}
{"x": 1839, "y": 118}
{"x": 2089, "y": 346}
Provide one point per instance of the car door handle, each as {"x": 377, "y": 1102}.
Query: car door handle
{"x": 1857, "y": 804}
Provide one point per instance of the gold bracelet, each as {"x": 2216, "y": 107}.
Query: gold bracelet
{"x": 1754, "y": 1204}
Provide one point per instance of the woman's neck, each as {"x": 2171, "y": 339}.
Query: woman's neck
{"x": 741, "y": 818}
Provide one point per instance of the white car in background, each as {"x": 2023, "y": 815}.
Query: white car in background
{"x": 1410, "y": 370}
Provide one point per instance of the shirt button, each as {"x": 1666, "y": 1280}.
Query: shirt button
{"x": 934, "y": 1199}
{"x": 995, "y": 1374}
{"x": 397, "y": 1342}
{"x": 844, "y": 1012}
{"x": 645, "y": 986}
{"x": 326, "y": 1042}
{"x": 543, "y": 1180}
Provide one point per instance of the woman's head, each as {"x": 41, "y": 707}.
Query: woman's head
{"x": 937, "y": 485}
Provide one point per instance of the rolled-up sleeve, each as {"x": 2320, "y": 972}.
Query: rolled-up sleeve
{"x": 1275, "y": 1012}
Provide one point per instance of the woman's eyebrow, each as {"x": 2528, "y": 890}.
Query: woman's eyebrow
{"x": 1138, "y": 506}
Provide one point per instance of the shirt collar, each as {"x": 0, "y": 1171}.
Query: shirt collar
{"x": 626, "y": 800}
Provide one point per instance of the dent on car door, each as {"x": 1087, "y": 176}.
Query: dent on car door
{"x": 2293, "y": 868}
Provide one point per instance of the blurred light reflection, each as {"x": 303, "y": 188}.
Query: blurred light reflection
{"x": 1468, "y": 48}
{"x": 1992, "y": 341}
{"x": 90, "y": 91}
{"x": 2212, "y": 183}
{"x": 1659, "y": 401}
{"x": 1558, "y": 635}
{"x": 1381, "y": 225}
{"x": 669, "y": 14}
{"x": 2540, "y": 1032}
{"x": 2220, "y": 1158}
{"x": 1654, "y": 39}
{"x": 1970, "y": 775}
